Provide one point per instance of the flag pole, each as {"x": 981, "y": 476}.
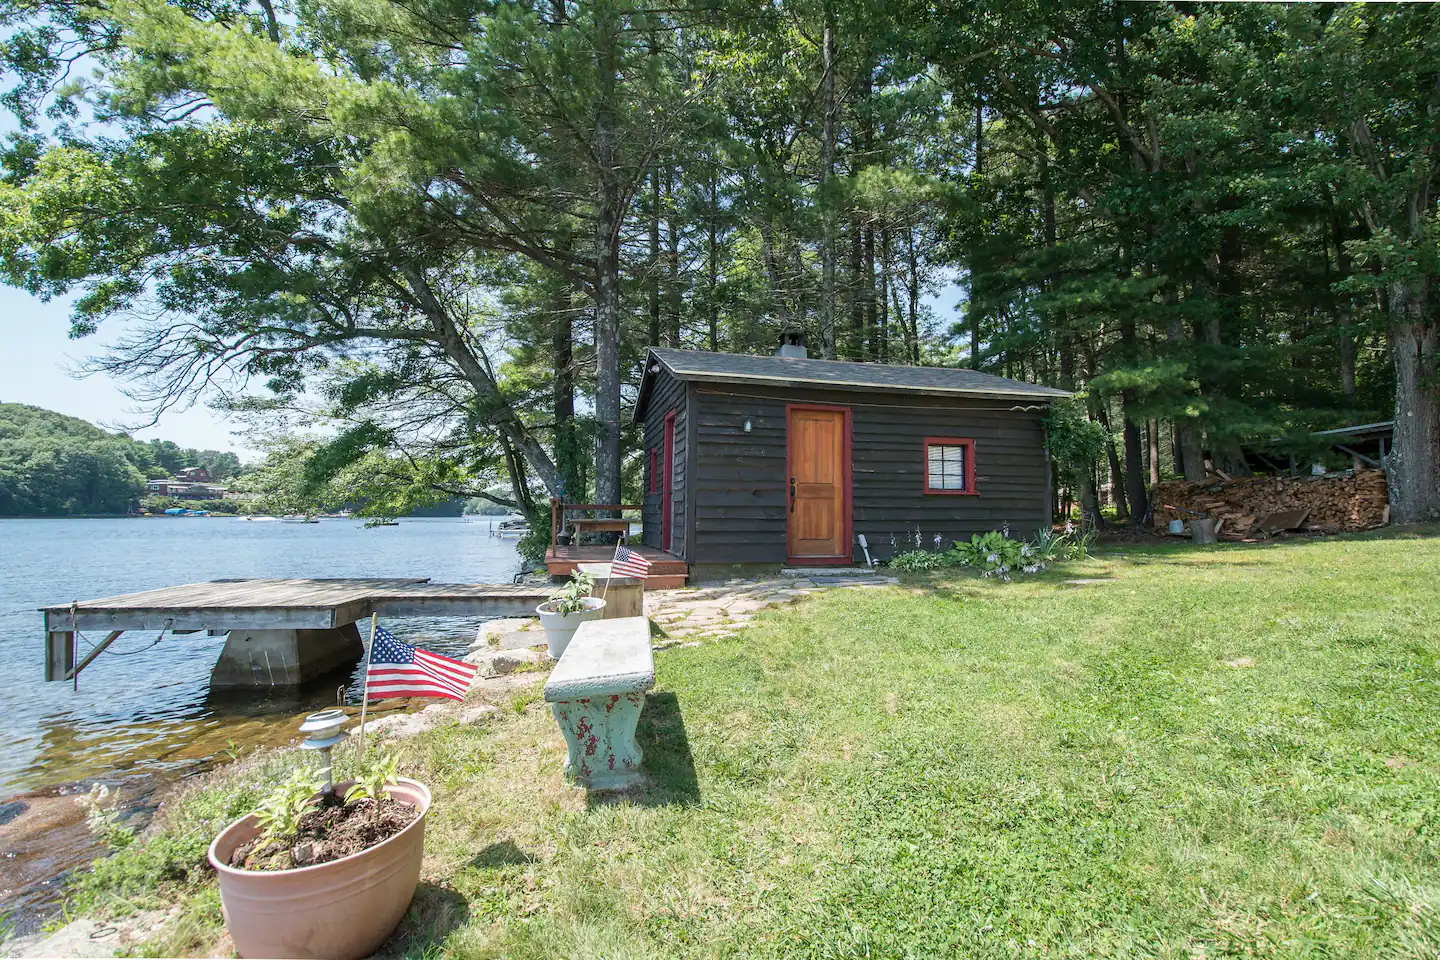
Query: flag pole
{"x": 606, "y": 589}
{"x": 365, "y": 695}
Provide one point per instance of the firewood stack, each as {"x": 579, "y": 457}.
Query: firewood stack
{"x": 1330, "y": 503}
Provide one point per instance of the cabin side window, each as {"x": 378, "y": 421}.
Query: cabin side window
{"x": 949, "y": 465}
{"x": 654, "y": 469}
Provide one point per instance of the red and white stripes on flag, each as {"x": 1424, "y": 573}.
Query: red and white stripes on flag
{"x": 400, "y": 670}
{"x": 628, "y": 563}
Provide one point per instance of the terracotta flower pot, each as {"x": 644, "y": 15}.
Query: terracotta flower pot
{"x": 338, "y": 910}
{"x": 560, "y": 627}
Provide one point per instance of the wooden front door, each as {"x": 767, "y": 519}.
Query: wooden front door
{"x": 818, "y": 485}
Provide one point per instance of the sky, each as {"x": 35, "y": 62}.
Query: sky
{"x": 37, "y": 358}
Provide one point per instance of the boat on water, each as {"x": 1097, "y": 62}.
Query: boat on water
{"x": 298, "y": 519}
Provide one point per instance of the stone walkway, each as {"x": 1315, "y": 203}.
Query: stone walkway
{"x": 686, "y": 616}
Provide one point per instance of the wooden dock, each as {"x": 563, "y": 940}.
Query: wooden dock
{"x": 221, "y": 606}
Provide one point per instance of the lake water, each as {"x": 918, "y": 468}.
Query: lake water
{"x": 144, "y": 715}
{"x": 140, "y": 710}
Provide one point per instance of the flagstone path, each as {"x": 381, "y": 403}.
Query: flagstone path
{"x": 510, "y": 653}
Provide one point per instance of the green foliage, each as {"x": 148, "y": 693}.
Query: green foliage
{"x": 914, "y": 560}
{"x": 280, "y": 812}
{"x": 153, "y": 870}
{"x": 372, "y": 776}
{"x": 1073, "y": 544}
{"x": 996, "y": 555}
{"x": 1075, "y": 440}
{"x": 575, "y": 596}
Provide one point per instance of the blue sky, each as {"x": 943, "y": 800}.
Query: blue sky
{"x": 36, "y": 360}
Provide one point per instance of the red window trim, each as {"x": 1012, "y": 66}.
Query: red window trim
{"x": 969, "y": 446}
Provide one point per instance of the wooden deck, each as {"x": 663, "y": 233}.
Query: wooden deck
{"x": 223, "y": 605}
{"x": 667, "y": 571}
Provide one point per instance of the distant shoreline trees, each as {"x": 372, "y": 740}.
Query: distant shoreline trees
{"x": 52, "y": 465}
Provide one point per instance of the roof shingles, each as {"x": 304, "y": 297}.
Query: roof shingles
{"x": 838, "y": 374}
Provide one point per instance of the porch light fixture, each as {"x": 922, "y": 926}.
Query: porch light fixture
{"x": 747, "y": 426}
{"x": 324, "y": 730}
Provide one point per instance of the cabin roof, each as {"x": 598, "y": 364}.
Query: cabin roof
{"x": 706, "y": 367}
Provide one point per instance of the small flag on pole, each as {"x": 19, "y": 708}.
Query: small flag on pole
{"x": 627, "y": 563}
{"x": 400, "y": 670}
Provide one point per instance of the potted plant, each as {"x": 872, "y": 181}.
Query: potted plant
{"x": 323, "y": 873}
{"x": 563, "y": 613}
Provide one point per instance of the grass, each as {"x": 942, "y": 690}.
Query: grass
{"x": 1226, "y": 751}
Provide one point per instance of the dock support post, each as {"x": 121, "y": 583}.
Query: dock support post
{"x": 283, "y": 658}
{"x": 59, "y": 654}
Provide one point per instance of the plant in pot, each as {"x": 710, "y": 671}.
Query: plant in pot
{"x": 563, "y": 613}
{"x": 322, "y": 871}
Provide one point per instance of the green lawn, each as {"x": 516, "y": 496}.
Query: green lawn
{"x": 1219, "y": 751}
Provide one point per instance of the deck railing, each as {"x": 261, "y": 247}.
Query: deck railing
{"x": 560, "y": 511}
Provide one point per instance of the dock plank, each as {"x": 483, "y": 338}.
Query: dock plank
{"x": 261, "y": 604}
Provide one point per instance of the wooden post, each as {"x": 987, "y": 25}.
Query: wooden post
{"x": 59, "y": 654}
{"x": 99, "y": 649}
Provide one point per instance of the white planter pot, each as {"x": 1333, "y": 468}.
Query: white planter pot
{"x": 560, "y": 627}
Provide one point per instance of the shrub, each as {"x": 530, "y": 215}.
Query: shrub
{"x": 996, "y": 555}
{"x": 921, "y": 560}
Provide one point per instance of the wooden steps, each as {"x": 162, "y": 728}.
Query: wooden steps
{"x": 667, "y": 571}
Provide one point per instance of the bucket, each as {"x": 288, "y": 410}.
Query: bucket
{"x": 1177, "y": 526}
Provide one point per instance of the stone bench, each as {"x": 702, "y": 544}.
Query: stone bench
{"x": 596, "y": 692}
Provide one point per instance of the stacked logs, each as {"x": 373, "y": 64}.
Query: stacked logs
{"x": 1331, "y": 503}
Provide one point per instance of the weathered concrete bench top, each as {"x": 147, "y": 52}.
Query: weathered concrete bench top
{"x": 606, "y": 657}
{"x": 596, "y": 692}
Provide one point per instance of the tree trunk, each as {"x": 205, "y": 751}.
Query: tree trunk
{"x": 827, "y": 166}
{"x": 1134, "y": 473}
{"x": 1415, "y": 456}
{"x": 1187, "y": 429}
{"x": 607, "y": 259}
{"x": 855, "y": 348}
{"x": 562, "y": 349}
{"x": 913, "y": 328}
{"x": 713, "y": 256}
{"x": 882, "y": 327}
{"x": 1341, "y": 307}
{"x": 1117, "y": 475}
{"x": 652, "y": 263}
{"x": 497, "y": 409}
{"x": 972, "y": 308}
{"x": 670, "y": 328}
{"x": 1152, "y": 443}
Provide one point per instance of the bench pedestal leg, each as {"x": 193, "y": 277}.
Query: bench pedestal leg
{"x": 600, "y": 734}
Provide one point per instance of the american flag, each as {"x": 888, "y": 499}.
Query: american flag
{"x": 400, "y": 670}
{"x": 629, "y": 564}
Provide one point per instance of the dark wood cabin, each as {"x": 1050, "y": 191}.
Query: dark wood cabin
{"x": 789, "y": 460}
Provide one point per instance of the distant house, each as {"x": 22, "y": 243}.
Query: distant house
{"x": 194, "y": 475}
{"x": 788, "y": 460}
{"x": 185, "y": 489}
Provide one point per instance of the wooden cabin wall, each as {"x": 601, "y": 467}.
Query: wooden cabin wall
{"x": 666, "y": 394}
{"x": 739, "y": 483}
